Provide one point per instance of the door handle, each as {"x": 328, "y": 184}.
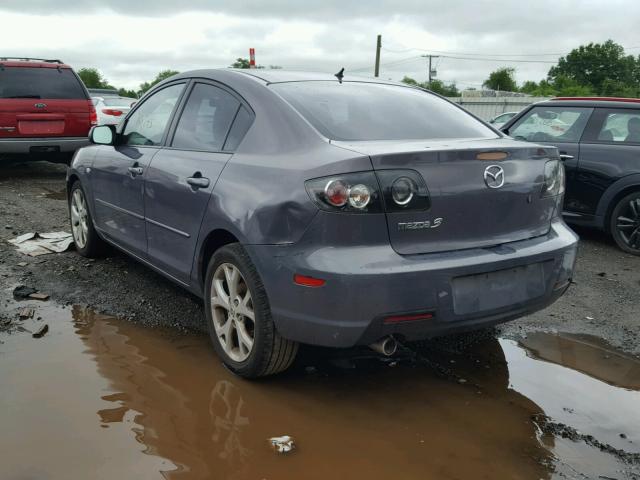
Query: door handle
{"x": 198, "y": 182}
{"x": 135, "y": 171}
{"x": 564, "y": 156}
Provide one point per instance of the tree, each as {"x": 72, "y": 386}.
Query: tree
{"x": 244, "y": 63}
{"x": 92, "y": 78}
{"x": 123, "y": 92}
{"x": 240, "y": 63}
{"x": 502, "y": 79}
{"x": 597, "y": 65}
{"x": 437, "y": 86}
{"x": 163, "y": 75}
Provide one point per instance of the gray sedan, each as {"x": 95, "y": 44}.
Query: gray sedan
{"x": 306, "y": 208}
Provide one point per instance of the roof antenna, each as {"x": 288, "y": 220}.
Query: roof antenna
{"x": 340, "y": 75}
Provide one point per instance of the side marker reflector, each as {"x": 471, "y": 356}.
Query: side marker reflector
{"x": 308, "y": 281}
{"x": 407, "y": 318}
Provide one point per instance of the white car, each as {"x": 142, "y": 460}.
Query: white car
{"x": 111, "y": 108}
{"x": 501, "y": 119}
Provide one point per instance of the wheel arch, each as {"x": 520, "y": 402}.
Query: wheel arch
{"x": 212, "y": 242}
{"x": 621, "y": 188}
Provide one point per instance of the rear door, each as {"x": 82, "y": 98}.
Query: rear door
{"x": 610, "y": 149}
{"x": 181, "y": 177}
{"x": 42, "y": 101}
{"x": 118, "y": 172}
{"x": 562, "y": 127}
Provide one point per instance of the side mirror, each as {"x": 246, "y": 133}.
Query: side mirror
{"x": 493, "y": 120}
{"x": 102, "y": 135}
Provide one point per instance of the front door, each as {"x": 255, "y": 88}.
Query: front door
{"x": 181, "y": 178}
{"x": 118, "y": 171}
{"x": 561, "y": 127}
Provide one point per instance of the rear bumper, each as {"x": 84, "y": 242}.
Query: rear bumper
{"x": 367, "y": 284}
{"x": 36, "y": 146}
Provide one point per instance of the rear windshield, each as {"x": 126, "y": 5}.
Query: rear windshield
{"x": 118, "y": 101}
{"x": 34, "y": 82}
{"x": 370, "y": 111}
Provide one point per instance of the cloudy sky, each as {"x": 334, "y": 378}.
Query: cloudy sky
{"x": 129, "y": 41}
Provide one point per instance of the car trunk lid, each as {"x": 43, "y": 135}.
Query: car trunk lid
{"x": 465, "y": 211}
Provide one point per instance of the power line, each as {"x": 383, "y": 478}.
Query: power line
{"x": 444, "y": 52}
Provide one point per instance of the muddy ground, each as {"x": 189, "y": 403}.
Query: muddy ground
{"x": 124, "y": 385}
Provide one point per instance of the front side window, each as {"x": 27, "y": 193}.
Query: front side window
{"x": 551, "y": 124}
{"x": 206, "y": 119}
{"x": 372, "y": 111}
{"x": 620, "y": 126}
{"x": 147, "y": 124}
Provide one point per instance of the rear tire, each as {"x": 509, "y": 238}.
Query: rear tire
{"x": 625, "y": 223}
{"x": 88, "y": 243}
{"x": 239, "y": 317}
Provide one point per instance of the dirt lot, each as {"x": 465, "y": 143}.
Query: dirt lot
{"x": 553, "y": 395}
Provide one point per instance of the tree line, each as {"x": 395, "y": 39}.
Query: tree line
{"x": 595, "y": 69}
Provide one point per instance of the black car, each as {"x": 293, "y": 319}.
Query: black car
{"x": 599, "y": 142}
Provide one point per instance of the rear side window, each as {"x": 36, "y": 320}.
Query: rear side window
{"x": 551, "y": 124}
{"x": 34, "y": 82}
{"x": 241, "y": 124}
{"x": 206, "y": 119}
{"x": 620, "y": 126}
{"x": 371, "y": 111}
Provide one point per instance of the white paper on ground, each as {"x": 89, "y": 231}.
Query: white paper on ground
{"x": 35, "y": 244}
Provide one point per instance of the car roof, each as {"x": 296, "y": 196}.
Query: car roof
{"x": 602, "y": 102}
{"x": 32, "y": 62}
{"x": 279, "y": 76}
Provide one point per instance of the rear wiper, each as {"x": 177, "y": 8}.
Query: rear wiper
{"x": 24, "y": 96}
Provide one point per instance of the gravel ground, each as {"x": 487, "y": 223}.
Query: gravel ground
{"x": 603, "y": 302}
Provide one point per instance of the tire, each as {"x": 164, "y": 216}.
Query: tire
{"x": 624, "y": 223}
{"x": 88, "y": 243}
{"x": 229, "y": 322}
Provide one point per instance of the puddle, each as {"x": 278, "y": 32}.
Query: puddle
{"x": 101, "y": 398}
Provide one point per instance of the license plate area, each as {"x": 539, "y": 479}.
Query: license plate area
{"x": 41, "y": 127}
{"x": 493, "y": 290}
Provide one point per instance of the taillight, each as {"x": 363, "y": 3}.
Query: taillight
{"x": 369, "y": 192}
{"x": 93, "y": 115}
{"x": 351, "y": 193}
{"x": 111, "y": 111}
{"x": 403, "y": 190}
{"x": 553, "y": 179}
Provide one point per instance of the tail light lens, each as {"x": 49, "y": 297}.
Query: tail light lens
{"x": 350, "y": 193}
{"x": 403, "y": 190}
{"x": 369, "y": 192}
{"x": 93, "y": 115}
{"x": 111, "y": 111}
{"x": 553, "y": 179}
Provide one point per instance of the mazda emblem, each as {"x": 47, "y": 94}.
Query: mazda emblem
{"x": 494, "y": 176}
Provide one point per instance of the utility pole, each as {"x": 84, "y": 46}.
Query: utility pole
{"x": 431, "y": 71}
{"x": 378, "y": 46}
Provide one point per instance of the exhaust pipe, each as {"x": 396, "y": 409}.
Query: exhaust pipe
{"x": 386, "y": 346}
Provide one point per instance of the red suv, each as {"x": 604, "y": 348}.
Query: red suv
{"x": 45, "y": 110}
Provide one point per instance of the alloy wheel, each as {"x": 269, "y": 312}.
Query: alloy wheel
{"x": 232, "y": 312}
{"x": 79, "y": 218}
{"x": 628, "y": 223}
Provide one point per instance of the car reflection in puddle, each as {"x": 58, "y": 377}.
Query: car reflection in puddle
{"x": 455, "y": 408}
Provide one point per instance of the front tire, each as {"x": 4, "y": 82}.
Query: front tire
{"x": 88, "y": 243}
{"x": 239, "y": 317}
{"x": 625, "y": 223}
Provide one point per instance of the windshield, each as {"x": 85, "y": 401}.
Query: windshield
{"x": 35, "y": 82}
{"x": 373, "y": 111}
